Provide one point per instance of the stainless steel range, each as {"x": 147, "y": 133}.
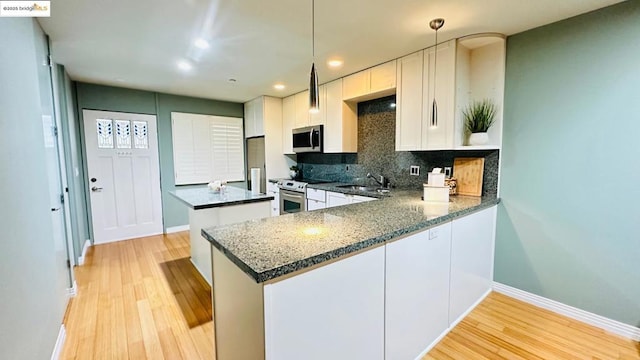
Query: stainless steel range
{"x": 293, "y": 196}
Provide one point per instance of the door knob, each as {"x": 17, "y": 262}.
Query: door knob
{"x": 55, "y": 209}
{"x": 95, "y": 189}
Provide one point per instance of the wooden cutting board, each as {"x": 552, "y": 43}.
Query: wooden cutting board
{"x": 469, "y": 172}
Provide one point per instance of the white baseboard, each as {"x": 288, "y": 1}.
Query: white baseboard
{"x": 57, "y": 350}
{"x": 175, "y": 229}
{"x": 72, "y": 291}
{"x": 610, "y": 325}
{"x": 85, "y": 248}
{"x": 453, "y": 325}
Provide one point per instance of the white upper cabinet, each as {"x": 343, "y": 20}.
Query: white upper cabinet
{"x": 341, "y": 120}
{"x": 466, "y": 70}
{"x": 409, "y": 102}
{"x": 371, "y": 83}
{"x": 288, "y": 123}
{"x": 253, "y": 118}
{"x": 480, "y": 72}
{"x": 302, "y": 109}
{"x": 439, "y": 74}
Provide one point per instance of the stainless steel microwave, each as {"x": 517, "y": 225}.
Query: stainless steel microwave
{"x": 308, "y": 139}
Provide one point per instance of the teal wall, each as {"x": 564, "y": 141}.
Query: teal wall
{"x": 99, "y": 97}
{"x": 569, "y": 221}
{"x": 32, "y": 307}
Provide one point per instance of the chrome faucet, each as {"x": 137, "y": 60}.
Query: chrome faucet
{"x": 380, "y": 182}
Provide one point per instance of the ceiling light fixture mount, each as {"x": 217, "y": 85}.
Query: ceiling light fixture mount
{"x": 201, "y": 43}
{"x": 314, "y": 96}
{"x": 435, "y": 25}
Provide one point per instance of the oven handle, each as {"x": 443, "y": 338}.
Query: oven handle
{"x": 291, "y": 195}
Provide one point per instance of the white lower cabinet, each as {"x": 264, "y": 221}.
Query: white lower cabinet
{"x": 315, "y": 205}
{"x": 272, "y": 189}
{"x": 472, "y": 248}
{"x": 417, "y": 292}
{"x": 339, "y": 199}
{"x": 301, "y": 312}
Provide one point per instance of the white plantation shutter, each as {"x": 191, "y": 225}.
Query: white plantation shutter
{"x": 207, "y": 148}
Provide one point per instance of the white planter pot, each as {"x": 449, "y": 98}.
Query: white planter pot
{"x": 293, "y": 174}
{"x": 478, "y": 138}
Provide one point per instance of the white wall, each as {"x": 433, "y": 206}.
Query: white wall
{"x": 31, "y": 309}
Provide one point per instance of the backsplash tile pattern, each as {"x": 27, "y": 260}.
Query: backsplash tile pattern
{"x": 377, "y": 155}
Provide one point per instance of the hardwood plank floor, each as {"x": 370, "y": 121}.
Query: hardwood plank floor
{"x": 505, "y": 328}
{"x": 143, "y": 299}
{"x": 140, "y": 299}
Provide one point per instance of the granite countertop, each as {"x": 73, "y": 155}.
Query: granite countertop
{"x": 202, "y": 198}
{"x": 268, "y": 248}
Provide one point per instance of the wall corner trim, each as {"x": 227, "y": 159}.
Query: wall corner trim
{"x": 175, "y": 229}
{"x": 609, "y": 325}
{"x": 57, "y": 350}
{"x": 85, "y": 248}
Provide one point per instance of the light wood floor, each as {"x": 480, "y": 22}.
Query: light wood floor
{"x": 142, "y": 299}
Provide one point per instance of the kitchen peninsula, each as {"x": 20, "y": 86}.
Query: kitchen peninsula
{"x": 371, "y": 280}
{"x": 207, "y": 208}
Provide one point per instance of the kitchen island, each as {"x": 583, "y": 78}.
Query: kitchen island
{"x": 336, "y": 283}
{"x": 207, "y": 208}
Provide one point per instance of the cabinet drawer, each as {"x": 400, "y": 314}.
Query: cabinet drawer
{"x": 358, "y": 198}
{"x": 315, "y": 194}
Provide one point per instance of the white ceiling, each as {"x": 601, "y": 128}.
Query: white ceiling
{"x": 137, "y": 43}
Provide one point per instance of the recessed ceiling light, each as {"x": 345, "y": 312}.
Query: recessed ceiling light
{"x": 184, "y": 65}
{"x": 201, "y": 43}
{"x": 279, "y": 86}
{"x": 335, "y": 63}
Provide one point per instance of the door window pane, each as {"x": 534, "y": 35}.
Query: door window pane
{"x": 123, "y": 134}
{"x": 104, "y": 128}
{"x": 140, "y": 137}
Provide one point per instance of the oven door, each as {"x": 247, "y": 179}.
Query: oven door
{"x": 292, "y": 202}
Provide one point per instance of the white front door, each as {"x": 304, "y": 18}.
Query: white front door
{"x": 124, "y": 175}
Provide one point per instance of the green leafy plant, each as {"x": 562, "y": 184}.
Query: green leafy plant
{"x": 479, "y": 116}
{"x": 294, "y": 168}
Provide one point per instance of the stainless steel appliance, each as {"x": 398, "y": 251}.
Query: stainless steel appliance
{"x": 308, "y": 139}
{"x": 293, "y": 195}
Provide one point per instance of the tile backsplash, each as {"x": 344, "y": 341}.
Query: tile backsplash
{"x": 377, "y": 155}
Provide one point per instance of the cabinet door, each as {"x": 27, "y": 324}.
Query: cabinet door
{"x": 417, "y": 292}
{"x": 337, "y": 199}
{"x": 315, "y": 205}
{"x": 409, "y": 103}
{"x": 383, "y": 77}
{"x": 341, "y": 126}
{"x": 288, "y": 123}
{"x": 249, "y": 119}
{"x": 302, "y": 109}
{"x": 438, "y": 131}
{"x": 258, "y": 117}
{"x": 472, "y": 245}
{"x": 275, "y": 204}
{"x": 301, "y": 312}
{"x": 355, "y": 85}
{"x": 319, "y": 118}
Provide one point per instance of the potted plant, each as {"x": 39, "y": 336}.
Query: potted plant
{"x": 478, "y": 118}
{"x": 293, "y": 172}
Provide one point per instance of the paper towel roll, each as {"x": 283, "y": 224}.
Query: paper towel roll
{"x": 255, "y": 180}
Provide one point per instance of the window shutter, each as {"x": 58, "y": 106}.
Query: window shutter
{"x": 207, "y": 148}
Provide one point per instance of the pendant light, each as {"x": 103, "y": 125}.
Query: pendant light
{"x": 314, "y": 96}
{"x": 435, "y": 24}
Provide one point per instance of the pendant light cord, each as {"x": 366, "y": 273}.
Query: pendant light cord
{"x": 434, "y": 115}
{"x": 313, "y": 31}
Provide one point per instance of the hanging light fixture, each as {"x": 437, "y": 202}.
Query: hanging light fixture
{"x": 314, "y": 96}
{"x": 435, "y": 24}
